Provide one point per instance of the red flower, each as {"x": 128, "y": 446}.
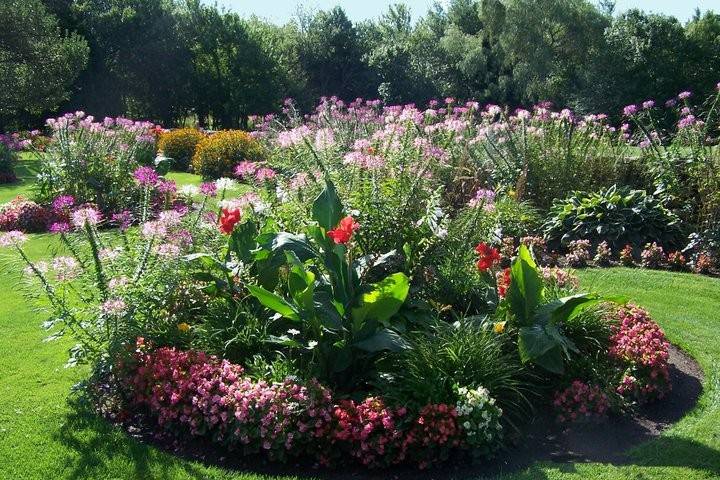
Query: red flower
{"x": 503, "y": 282}
{"x": 229, "y": 217}
{"x": 489, "y": 256}
{"x": 344, "y": 231}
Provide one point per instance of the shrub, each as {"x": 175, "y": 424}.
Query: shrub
{"x": 626, "y": 256}
{"x": 617, "y": 215}
{"x": 216, "y": 155}
{"x": 579, "y": 253}
{"x": 180, "y": 145}
{"x": 24, "y": 215}
{"x": 8, "y": 159}
{"x": 676, "y": 261}
{"x": 603, "y": 254}
{"x": 580, "y": 401}
{"x": 94, "y": 161}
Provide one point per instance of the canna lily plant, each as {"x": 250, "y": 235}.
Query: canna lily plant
{"x": 538, "y": 321}
{"x": 338, "y": 322}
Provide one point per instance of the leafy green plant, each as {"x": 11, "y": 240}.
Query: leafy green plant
{"x": 539, "y": 322}
{"x": 617, "y": 215}
{"x": 461, "y": 354}
{"x": 334, "y": 321}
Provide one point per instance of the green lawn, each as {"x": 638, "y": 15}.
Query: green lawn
{"x": 44, "y": 433}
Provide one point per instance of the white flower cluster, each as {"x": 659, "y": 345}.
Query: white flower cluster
{"x": 479, "y": 417}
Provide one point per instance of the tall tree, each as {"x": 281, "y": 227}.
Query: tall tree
{"x": 38, "y": 63}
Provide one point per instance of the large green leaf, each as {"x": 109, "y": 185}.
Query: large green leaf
{"x": 384, "y": 339}
{"x": 383, "y": 300}
{"x": 274, "y": 302}
{"x": 525, "y": 289}
{"x": 242, "y": 241}
{"x": 327, "y": 208}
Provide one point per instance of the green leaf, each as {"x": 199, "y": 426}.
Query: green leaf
{"x": 384, "y": 339}
{"x": 274, "y": 302}
{"x": 552, "y": 361}
{"x": 384, "y": 300}
{"x": 526, "y": 287}
{"x": 327, "y": 209}
{"x": 242, "y": 241}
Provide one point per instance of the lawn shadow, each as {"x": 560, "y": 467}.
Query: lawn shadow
{"x": 96, "y": 443}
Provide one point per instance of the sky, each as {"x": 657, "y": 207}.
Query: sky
{"x": 280, "y": 11}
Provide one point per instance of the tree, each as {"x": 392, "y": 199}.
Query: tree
{"x": 549, "y": 44}
{"x": 38, "y": 63}
{"x": 703, "y": 37}
{"x": 332, "y": 56}
{"x": 232, "y": 75}
{"x": 138, "y": 65}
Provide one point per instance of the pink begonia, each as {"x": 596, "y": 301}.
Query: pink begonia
{"x": 213, "y": 398}
{"x": 640, "y": 345}
{"x": 579, "y": 401}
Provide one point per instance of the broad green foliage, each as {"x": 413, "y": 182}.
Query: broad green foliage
{"x": 617, "y": 215}
{"x": 539, "y": 320}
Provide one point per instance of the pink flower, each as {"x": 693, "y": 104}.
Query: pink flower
{"x": 87, "y": 215}
{"x": 12, "y": 238}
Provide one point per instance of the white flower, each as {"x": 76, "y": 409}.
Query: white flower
{"x": 225, "y": 183}
{"x": 312, "y": 344}
{"x": 188, "y": 190}
{"x": 292, "y": 331}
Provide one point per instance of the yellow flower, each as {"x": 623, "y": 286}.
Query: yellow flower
{"x": 512, "y": 194}
{"x": 499, "y": 327}
{"x": 183, "y": 327}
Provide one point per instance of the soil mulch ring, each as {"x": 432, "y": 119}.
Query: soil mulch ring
{"x": 606, "y": 441}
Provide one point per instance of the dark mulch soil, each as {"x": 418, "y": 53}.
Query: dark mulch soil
{"x": 607, "y": 441}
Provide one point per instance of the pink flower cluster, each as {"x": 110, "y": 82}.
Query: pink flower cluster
{"x": 580, "y": 401}
{"x": 639, "y": 344}
{"x": 197, "y": 393}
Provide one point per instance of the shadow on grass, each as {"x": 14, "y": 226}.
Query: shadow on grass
{"x": 98, "y": 445}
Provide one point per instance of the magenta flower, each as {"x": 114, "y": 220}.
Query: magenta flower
{"x": 146, "y": 176}
{"x": 209, "y": 189}
{"x": 684, "y": 95}
{"x": 648, "y": 104}
{"x": 60, "y": 227}
{"x": 245, "y": 169}
{"x": 63, "y": 202}
{"x": 122, "y": 219}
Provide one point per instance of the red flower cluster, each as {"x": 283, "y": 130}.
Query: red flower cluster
{"x": 502, "y": 279}
{"x": 344, "y": 231}
{"x": 488, "y": 256}
{"x": 229, "y": 217}
{"x": 580, "y": 401}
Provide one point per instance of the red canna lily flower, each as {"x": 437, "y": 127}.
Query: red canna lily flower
{"x": 503, "y": 282}
{"x": 229, "y": 217}
{"x": 489, "y": 256}
{"x": 344, "y": 231}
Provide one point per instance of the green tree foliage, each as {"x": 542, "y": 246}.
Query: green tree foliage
{"x": 38, "y": 62}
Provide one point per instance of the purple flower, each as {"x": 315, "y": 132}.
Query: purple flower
{"x": 630, "y": 110}
{"x": 718, "y": 86}
{"x": 648, "y": 104}
{"x": 245, "y": 169}
{"x": 146, "y": 176}
{"x": 60, "y": 227}
{"x": 167, "y": 186}
{"x": 671, "y": 103}
{"x": 265, "y": 174}
{"x": 123, "y": 219}
{"x": 62, "y": 202}
{"x": 686, "y": 122}
{"x": 209, "y": 189}
{"x": 684, "y": 95}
